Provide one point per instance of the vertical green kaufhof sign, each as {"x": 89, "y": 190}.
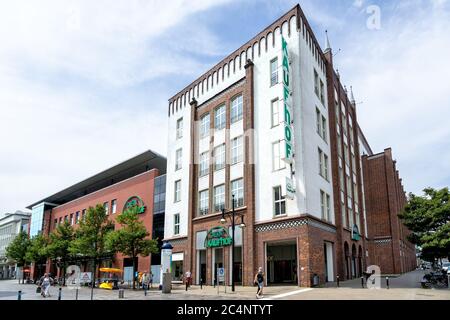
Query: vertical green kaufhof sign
{"x": 288, "y": 134}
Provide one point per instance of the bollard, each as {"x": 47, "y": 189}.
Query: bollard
{"x": 362, "y": 282}
{"x": 19, "y": 295}
{"x": 59, "y": 293}
{"x": 337, "y": 278}
{"x": 76, "y": 294}
{"x": 387, "y": 282}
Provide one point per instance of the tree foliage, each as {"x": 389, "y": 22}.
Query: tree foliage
{"x": 428, "y": 217}
{"x": 60, "y": 241}
{"x": 17, "y": 249}
{"x": 132, "y": 238}
{"x": 90, "y": 236}
{"x": 37, "y": 249}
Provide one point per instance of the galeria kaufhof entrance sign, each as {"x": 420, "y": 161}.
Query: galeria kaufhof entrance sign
{"x": 218, "y": 237}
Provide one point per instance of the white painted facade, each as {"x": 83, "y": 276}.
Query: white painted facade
{"x": 306, "y": 139}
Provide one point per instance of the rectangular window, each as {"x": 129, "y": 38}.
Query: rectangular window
{"x": 277, "y": 160}
{"x": 325, "y": 166}
{"x": 105, "y": 205}
{"x": 204, "y": 164}
{"x": 323, "y": 205}
{"x": 203, "y": 201}
{"x": 320, "y": 154}
{"x": 316, "y": 83}
{"x": 274, "y": 72}
{"x": 276, "y": 115}
{"x": 237, "y": 150}
{"x": 60, "y": 220}
{"x": 219, "y": 118}
{"x": 355, "y": 192}
{"x": 180, "y": 128}
{"x": 349, "y": 188}
{"x": 77, "y": 217}
{"x": 344, "y": 215}
{"x": 279, "y": 202}
{"x": 83, "y": 214}
{"x": 324, "y": 128}
{"x": 318, "y": 122}
{"x": 341, "y": 179}
{"x": 176, "y": 224}
{"x": 328, "y": 210}
{"x": 178, "y": 159}
{"x": 322, "y": 92}
{"x": 219, "y": 198}
{"x": 71, "y": 219}
{"x": 55, "y": 223}
{"x": 237, "y": 189}
{"x": 204, "y": 126}
{"x": 236, "y": 109}
{"x": 114, "y": 206}
{"x": 219, "y": 157}
{"x": 177, "y": 195}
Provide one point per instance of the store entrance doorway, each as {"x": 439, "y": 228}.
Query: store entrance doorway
{"x": 281, "y": 263}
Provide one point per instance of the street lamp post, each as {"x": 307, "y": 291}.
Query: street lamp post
{"x": 233, "y": 226}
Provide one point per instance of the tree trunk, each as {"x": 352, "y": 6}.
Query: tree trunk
{"x": 134, "y": 273}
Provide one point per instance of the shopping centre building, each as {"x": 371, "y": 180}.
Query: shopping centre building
{"x": 140, "y": 180}
{"x": 272, "y": 127}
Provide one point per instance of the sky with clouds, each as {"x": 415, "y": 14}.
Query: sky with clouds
{"x": 84, "y": 84}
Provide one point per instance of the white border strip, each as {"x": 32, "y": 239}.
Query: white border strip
{"x": 287, "y": 294}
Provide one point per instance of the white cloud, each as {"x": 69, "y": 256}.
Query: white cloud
{"x": 75, "y": 98}
{"x": 401, "y": 74}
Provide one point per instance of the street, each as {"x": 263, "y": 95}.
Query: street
{"x": 404, "y": 287}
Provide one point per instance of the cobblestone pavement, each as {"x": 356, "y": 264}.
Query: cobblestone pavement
{"x": 405, "y": 287}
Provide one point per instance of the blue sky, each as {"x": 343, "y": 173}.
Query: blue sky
{"x": 84, "y": 84}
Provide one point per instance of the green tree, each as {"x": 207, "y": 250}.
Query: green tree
{"x": 37, "y": 252}
{"x": 90, "y": 236}
{"x": 17, "y": 249}
{"x": 60, "y": 241}
{"x": 428, "y": 217}
{"x": 132, "y": 238}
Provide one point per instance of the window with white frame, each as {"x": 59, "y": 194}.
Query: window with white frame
{"x": 324, "y": 128}
{"x": 204, "y": 126}
{"x": 71, "y": 219}
{"x": 219, "y": 118}
{"x": 204, "y": 164}
{"x": 279, "y": 202}
{"x": 77, "y": 217}
{"x": 219, "y": 198}
{"x": 203, "y": 202}
{"x": 325, "y": 205}
{"x": 316, "y": 83}
{"x": 237, "y": 189}
{"x": 322, "y": 92}
{"x": 176, "y": 224}
{"x": 113, "y": 206}
{"x": 318, "y": 122}
{"x": 236, "y": 109}
{"x": 344, "y": 214}
{"x": 177, "y": 194}
{"x": 178, "y": 159}
{"x": 277, "y": 160}
{"x": 323, "y": 164}
{"x": 237, "y": 150}
{"x": 276, "y": 115}
{"x": 105, "y": 205}
{"x": 180, "y": 128}
{"x": 273, "y": 72}
{"x": 219, "y": 157}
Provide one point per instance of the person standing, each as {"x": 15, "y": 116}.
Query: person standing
{"x": 188, "y": 278}
{"x": 259, "y": 280}
{"x": 150, "y": 279}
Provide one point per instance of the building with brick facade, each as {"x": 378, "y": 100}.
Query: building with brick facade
{"x": 388, "y": 245}
{"x": 140, "y": 179}
{"x": 272, "y": 127}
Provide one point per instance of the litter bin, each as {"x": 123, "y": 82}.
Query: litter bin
{"x": 315, "y": 280}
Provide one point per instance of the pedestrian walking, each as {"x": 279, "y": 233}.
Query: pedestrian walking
{"x": 259, "y": 281}
{"x": 45, "y": 284}
{"x": 150, "y": 279}
{"x": 188, "y": 276}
